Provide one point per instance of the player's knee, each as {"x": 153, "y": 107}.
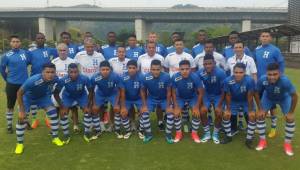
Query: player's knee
{"x": 251, "y": 117}
{"x": 290, "y": 118}
{"x": 95, "y": 110}
{"x": 226, "y": 116}
{"x": 203, "y": 110}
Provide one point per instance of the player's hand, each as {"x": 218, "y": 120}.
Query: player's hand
{"x": 196, "y": 112}
{"x": 144, "y": 109}
{"x": 22, "y": 116}
{"x": 124, "y": 112}
{"x": 177, "y": 111}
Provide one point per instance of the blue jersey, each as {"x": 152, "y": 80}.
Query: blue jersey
{"x": 186, "y": 88}
{"x": 133, "y": 53}
{"x": 75, "y": 88}
{"x": 15, "y": 61}
{"x": 160, "y": 49}
{"x": 197, "y": 49}
{"x": 80, "y": 47}
{"x": 40, "y": 56}
{"x": 172, "y": 49}
{"x": 36, "y": 87}
{"x": 239, "y": 90}
{"x": 266, "y": 54}
{"x": 228, "y": 52}
{"x": 277, "y": 91}
{"x": 108, "y": 86}
{"x": 109, "y": 51}
{"x": 132, "y": 86}
{"x": 73, "y": 50}
{"x": 157, "y": 86}
{"x": 213, "y": 83}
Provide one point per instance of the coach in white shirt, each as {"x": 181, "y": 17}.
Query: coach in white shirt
{"x": 119, "y": 64}
{"x": 210, "y": 49}
{"x": 241, "y": 57}
{"x": 172, "y": 60}
{"x": 144, "y": 61}
{"x": 89, "y": 60}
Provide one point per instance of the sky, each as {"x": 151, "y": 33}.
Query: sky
{"x": 145, "y": 3}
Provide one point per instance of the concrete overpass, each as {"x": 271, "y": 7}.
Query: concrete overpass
{"x": 53, "y": 20}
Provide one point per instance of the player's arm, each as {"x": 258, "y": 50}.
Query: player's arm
{"x": 257, "y": 100}
{"x": 294, "y": 102}
{"x": 177, "y": 109}
{"x": 227, "y": 101}
{"x": 91, "y": 96}
{"x": 250, "y": 101}
{"x": 144, "y": 99}
{"x": 3, "y": 67}
{"x": 56, "y": 96}
{"x": 20, "y": 95}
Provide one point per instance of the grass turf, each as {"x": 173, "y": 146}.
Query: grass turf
{"x": 110, "y": 153}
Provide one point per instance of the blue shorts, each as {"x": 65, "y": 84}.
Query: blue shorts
{"x": 152, "y": 104}
{"x": 69, "y": 101}
{"x": 211, "y": 99}
{"x": 285, "y": 104}
{"x": 237, "y": 107}
{"x": 101, "y": 100}
{"x": 190, "y": 102}
{"x": 133, "y": 103}
{"x": 42, "y": 102}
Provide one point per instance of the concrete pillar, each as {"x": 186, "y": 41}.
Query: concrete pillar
{"x": 141, "y": 29}
{"x": 46, "y": 26}
{"x": 60, "y": 26}
{"x": 246, "y": 25}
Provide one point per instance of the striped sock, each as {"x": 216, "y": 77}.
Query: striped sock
{"x": 87, "y": 121}
{"x": 33, "y": 111}
{"x": 118, "y": 122}
{"x": 141, "y": 127}
{"x": 241, "y": 116}
{"x": 146, "y": 122}
{"x": 9, "y": 119}
{"x": 52, "y": 115}
{"x": 261, "y": 126}
{"x": 170, "y": 123}
{"x": 250, "y": 130}
{"x": 185, "y": 113}
{"x": 20, "y": 130}
{"x": 195, "y": 124}
{"x": 126, "y": 124}
{"x": 96, "y": 123}
{"x": 206, "y": 129}
{"x": 273, "y": 121}
{"x": 289, "y": 131}
{"x": 177, "y": 122}
{"x": 227, "y": 127}
{"x": 216, "y": 129}
{"x": 64, "y": 123}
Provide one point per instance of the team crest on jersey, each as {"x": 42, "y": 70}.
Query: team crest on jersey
{"x": 276, "y": 90}
{"x": 79, "y": 87}
{"x": 71, "y": 50}
{"x": 266, "y": 54}
{"x": 149, "y": 77}
{"x": 38, "y": 82}
{"x": 135, "y": 54}
{"x": 189, "y": 85}
{"x": 243, "y": 89}
{"x": 178, "y": 78}
{"x": 126, "y": 78}
{"x": 136, "y": 85}
{"x": 23, "y": 57}
{"x": 110, "y": 84}
{"x": 213, "y": 79}
{"x": 161, "y": 85}
{"x": 98, "y": 78}
{"x": 45, "y": 53}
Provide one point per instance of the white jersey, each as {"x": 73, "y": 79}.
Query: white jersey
{"x": 119, "y": 67}
{"x": 219, "y": 59}
{"x": 144, "y": 62}
{"x": 247, "y": 60}
{"x": 173, "y": 59}
{"x": 89, "y": 64}
{"x": 62, "y": 66}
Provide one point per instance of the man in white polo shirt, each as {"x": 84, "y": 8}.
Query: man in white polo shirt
{"x": 173, "y": 59}
{"x": 144, "y": 61}
{"x": 241, "y": 57}
{"x": 119, "y": 63}
{"x": 89, "y": 60}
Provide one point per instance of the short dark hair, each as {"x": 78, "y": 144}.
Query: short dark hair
{"x": 240, "y": 65}
{"x": 265, "y": 31}
{"x": 14, "y": 36}
{"x": 178, "y": 33}
{"x": 273, "y": 67}
{"x": 233, "y": 32}
{"x": 104, "y": 64}
{"x": 209, "y": 42}
{"x": 40, "y": 33}
{"x": 239, "y": 42}
{"x": 150, "y": 43}
{"x": 178, "y": 39}
{"x": 202, "y": 30}
{"x": 49, "y": 65}
{"x": 184, "y": 62}
{"x": 65, "y": 33}
{"x": 132, "y": 36}
{"x": 111, "y": 32}
{"x": 132, "y": 63}
{"x": 208, "y": 57}
{"x": 121, "y": 46}
{"x": 156, "y": 62}
{"x": 72, "y": 66}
